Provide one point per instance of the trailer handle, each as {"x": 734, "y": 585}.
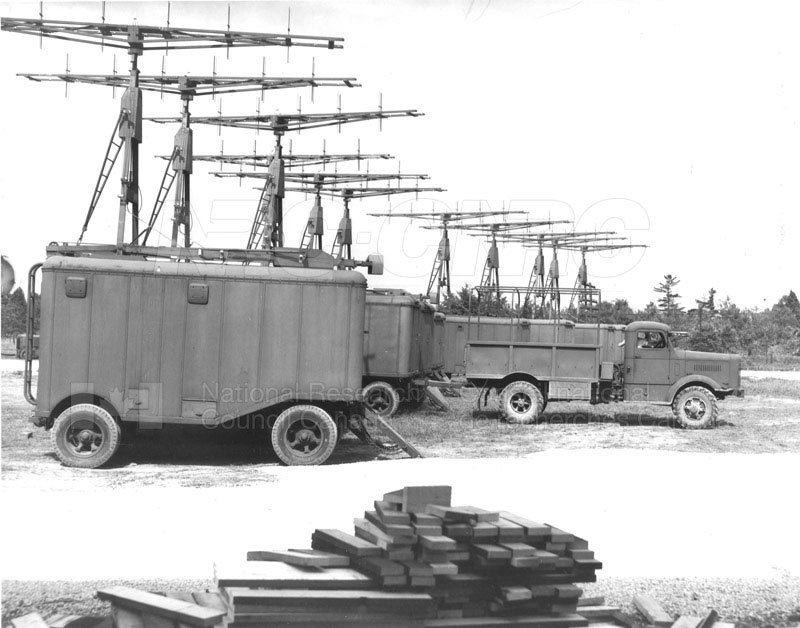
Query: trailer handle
{"x": 28, "y": 379}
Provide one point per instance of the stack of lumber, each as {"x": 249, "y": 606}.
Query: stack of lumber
{"x": 416, "y": 560}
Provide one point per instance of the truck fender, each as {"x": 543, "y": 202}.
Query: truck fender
{"x": 691, "y": 380}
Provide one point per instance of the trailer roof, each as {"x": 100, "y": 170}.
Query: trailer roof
{"x": 232, "y": 271}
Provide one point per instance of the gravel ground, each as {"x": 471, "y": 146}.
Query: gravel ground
{"x": 751, "y": 603}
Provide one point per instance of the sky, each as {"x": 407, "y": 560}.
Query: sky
{"x": 674, "y": 124}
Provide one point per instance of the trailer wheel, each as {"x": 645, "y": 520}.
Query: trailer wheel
{"x": 22, "y": 353}
{"x": 304, "y": 435}
{"x": 521, "y": 402}
{"x": 695, "y": 408}
{"x": 85, "y": 436}
{"x": 381, "y": 398}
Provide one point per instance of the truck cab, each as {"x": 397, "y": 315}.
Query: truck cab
{"x": 654, "y": 369}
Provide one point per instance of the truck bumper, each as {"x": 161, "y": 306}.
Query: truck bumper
{"x": 38, "y": 421}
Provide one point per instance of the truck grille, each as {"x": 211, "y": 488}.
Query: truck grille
{"x": 707, "y": 368}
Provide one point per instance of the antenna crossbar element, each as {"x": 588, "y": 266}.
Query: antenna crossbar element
{"x": 200, "y": 85}
{"x": 139, "y": 38}
{"x": 490, "y": 277}
{"x": 271, "y": 202}
{"x": 440, "y": 271}
{"x": 284, "y": 123}
{"x": 583, "y": 299}
{"x": 292, "y": 160}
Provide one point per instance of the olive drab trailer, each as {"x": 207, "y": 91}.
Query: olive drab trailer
{"x": 128, "y": 342}
{"x": 461, "y": 330}
{"x": 400, "y": 338}
{"x": 644, "y": 366}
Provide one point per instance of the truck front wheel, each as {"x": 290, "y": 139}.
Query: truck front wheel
{"x": 85, "y": 436}
{"x": 695, "y": 408}
{"x": 304, "y": 435}
{"x": 521, "y": 402}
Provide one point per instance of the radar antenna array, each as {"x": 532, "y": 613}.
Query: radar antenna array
{"x": 138, "y": 39}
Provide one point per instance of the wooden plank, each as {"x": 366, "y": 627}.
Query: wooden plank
{"x": 401, "y": 602}
{"x": 302, "y": 558}
{"x": 515, "y": 594}
{"x": 444, "y": 568}
{"x": 508, "y": 530}
{"x": 418, "y": 569}
{"x": 422, "y": 581}
{"x": 653, "y": 611}
{"x": 597, "y": 600}
{"x": 458, "y": 531}
{"x": 687, "y": 621}
{"x": 423, "y": 518}
{"x": 281, "y": 575}
{"x": 394, "y": 497}
{"x": 709, "y": 620}
{"x": 394, "y": 581}
{"x": 438, "y": 543}
{"x": 349, "y": 544}
{"x": 428, "y": 529}
{"x": 519, "y": 550}
{"x": 580, "y": 553}
{"x": 393, "y": 529}
{"x": 568, "y": 592}
{"x": 400, "y": 554}
{"x": 416, "y": 498}
{"x": 533, "y": 530}
{"x": 31, "y": 620}
{"x": 390, "y": 512}
{"x": 599, "y": 611}
{"x": 559, "y": 536}
{"x": 491, "y": 551}
{"x": 378, "y": 566}
{"x": 461, "y": 514}
{"x": 481, "y": 515}
{"x": 374, "y": 534}
{"x": 485, "y": 532}
{"x": 401, "y": 442}
{"x": 185, "y": 612}
{"x": 211, "y": 599}
{"x": 529, "y": 621}
{"x": 184, "y": 596}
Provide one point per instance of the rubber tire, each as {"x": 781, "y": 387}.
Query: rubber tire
{"x": 23, "y": 353}
{"x": 709, "y": 409}
{"x": 108, "y": 427}
{"x": 314, "y": 418}
{"x": 384, "y": 391}
{"x": 535, "y": 399}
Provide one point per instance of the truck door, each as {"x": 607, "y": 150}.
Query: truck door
{"x": 647, "y": 366}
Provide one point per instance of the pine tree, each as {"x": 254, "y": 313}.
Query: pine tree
{"x": 669, "y": 302}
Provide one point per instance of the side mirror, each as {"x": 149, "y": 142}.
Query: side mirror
{"x": 374, "y": 264}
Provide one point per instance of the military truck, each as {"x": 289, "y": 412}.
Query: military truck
{"x": 645, "y": 366}
{"x": 402, "y": 347}
{"x": 131, "y": 343}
